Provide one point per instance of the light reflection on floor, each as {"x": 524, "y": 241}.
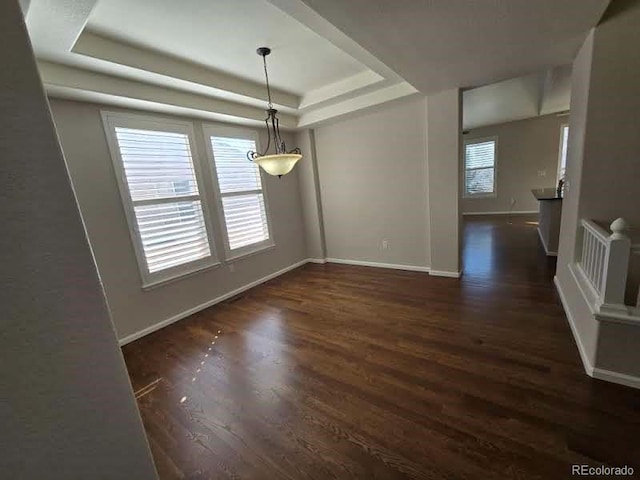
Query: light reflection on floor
{"x": 479, "y": 251}
{"x": 276, "y": 364}
{"x": 496, "y": 247}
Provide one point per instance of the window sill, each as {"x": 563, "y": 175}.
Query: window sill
{"x": 481, "y": 195}
{"x": 151, "y": 285}
{"x": 231, "y": 257}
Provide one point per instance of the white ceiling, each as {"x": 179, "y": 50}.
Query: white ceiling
{"x": 200, "y": 55}
{"x": 440, "y": 44}
{"x": 330, "y": 57}
{"x": 518, "y": 98}
{"x": 224, "y": 35}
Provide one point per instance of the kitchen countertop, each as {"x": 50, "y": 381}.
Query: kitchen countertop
{"x": 546, "y": 194}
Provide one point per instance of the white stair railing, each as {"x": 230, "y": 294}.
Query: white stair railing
{"x": 604, "y": 261}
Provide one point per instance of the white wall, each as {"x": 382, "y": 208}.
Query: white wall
{"x": 373, "y": 182}
{"x": 524, "y": 148}
{"x": 132, "y": 309}
{"x": 67, "y": 409}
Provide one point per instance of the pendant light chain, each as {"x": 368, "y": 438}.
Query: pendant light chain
{"x": 266, "y": 76}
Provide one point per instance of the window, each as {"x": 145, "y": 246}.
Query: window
{"x": 562, "y": 160}
{"x": 161, "y": 191}
{"x": 239, "y": 181}
{"x": 480, "y": 168}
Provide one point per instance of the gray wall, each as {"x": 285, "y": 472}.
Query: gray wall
{"x": 373, "y": 182}
{"x": 587, "y": 328}
{"x": 603, "y": 169}
{"x": 524, "y": 148}
{"x": 611, "y": 164}
{"x": 444, "y": 120}
{"x": 133, "y": 309}
{"x": 310, "y": 198}
{"x": 67, "y": 409}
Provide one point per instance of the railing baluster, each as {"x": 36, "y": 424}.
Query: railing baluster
{"x": 586, "y": 255}
{"x": 601, "y": 253}
{"x": 592, "y": 242}
{"x": 594, "y": 260}
{"x": 596, "y": 264}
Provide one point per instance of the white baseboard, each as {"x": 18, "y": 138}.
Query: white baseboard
{"x": 544, "y": 245}
{"x": 394, "y": 266}
{"x": 586, "y": 363}
{"x": 244, "y": 288}
{"x": 202, "y": 306}
{"x": 615, "y": 377}
{"x": 595, "y": 372}
{"x": 317, "y": 260}
{"x": 445, "y": 273}
{"x": 411, "y": 268}
{"x": 518, "y": 212}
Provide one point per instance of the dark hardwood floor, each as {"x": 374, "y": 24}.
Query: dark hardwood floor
{"x": 335, "y": 371}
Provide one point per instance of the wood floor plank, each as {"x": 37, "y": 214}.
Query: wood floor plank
{"x": 336, "y": 371}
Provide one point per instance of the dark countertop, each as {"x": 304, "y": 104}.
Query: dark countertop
{"x": 546, "y": 194}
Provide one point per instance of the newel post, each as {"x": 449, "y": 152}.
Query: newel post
{"x": 616, "y": 265}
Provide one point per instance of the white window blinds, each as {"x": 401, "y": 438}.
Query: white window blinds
{"x": 479, "y": 168}
{"x": 163, "y": 189}
{"x": 240, "y": 185}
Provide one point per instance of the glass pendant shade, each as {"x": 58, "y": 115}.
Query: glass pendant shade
{"x": 278, "y": 164}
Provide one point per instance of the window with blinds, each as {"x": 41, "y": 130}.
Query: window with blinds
{"x": 159, "y": 186}
{"x": 480, "y": 168}
{"x": 242, "y": 198}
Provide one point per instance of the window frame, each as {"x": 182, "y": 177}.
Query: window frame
{"x": 471, "y": 141}
{"x": 210, "y": 130}
{"x": 562, "y": 127}
{"x": 113, "y": 119}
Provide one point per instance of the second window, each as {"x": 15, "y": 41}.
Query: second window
{"x": 243, "y": 205}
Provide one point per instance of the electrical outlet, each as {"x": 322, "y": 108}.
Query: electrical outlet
{"x": 385, "y": 244}
{"x": 232, "y": 267}
{"x": 542, "y": 173}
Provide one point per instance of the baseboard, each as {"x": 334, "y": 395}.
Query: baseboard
{"x": 586, "y": 363}
{"x": 544, "y": 245}
{"x": 202, "y": 306}
{"x": 445, "y": 273}
{"x": 394, "y": 266}
{"x": 317, "y": 260}
{"x": 615, "y": 377}
{"x": 411, "y": 268}
{"x": 519, "y": 212}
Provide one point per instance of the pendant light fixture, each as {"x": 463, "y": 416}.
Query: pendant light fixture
{"x": 282, "y": 161}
